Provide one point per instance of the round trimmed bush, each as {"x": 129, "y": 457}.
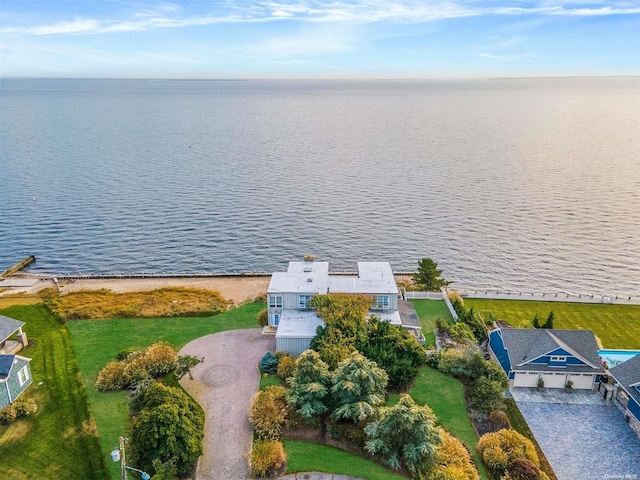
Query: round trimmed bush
{"x": 112, "y": 377}
{"x": 269, "y": 363}
{"x": 267, "y": 458}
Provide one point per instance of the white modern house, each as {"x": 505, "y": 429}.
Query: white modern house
{"x": 290, "y": 292}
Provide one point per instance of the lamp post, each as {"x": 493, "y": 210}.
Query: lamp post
{"x": 118, "y": 455}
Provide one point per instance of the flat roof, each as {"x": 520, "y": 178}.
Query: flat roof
{"x": 313, "y": 278}
{"x": 298, "y": 324}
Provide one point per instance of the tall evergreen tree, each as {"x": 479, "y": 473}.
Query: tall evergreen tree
{"x": 549, "y": 321}
{"x": 358, "y": 388}
{"x": 405, "y": 432}
{"x": 310, "y": 384}
{"x": 536, "y": 322}
{"x": 429, "y": 276}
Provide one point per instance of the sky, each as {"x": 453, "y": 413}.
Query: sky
{"x": 318, "y": 38}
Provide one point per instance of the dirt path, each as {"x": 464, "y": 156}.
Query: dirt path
{"x": 224, "y": 385}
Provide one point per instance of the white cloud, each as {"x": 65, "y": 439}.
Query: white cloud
{"x": 169, "y": 15}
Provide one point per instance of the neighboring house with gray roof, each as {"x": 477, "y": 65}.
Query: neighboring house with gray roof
{"x": 290, "y": 292}
{"x": 555, "y": 356}
{"x": 15, "y": 377}
{"x": 9, "y": 326}
{"x": 627, "y": 374}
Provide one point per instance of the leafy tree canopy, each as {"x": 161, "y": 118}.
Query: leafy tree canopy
{"x": 429, "y": 276}
{"x": 169, "y": 426}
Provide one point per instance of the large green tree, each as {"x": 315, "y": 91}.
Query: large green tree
{"x": 429, "y": 276}
{"x": 166, "y": 424}
{"x": 394, "y": 350}
{"x": 358, "y": 388}
{"x": 310, "y": 383}
{"x": 405, "y": 432}
{"x": 345, "y": 318}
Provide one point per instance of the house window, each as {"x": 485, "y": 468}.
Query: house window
{"x": 23, "y": 375}
{"x": 275, "y": 301}
{"x": 380, "y": 302}
{"x": 558, "y": 359}
{"x": 303, "y": 301}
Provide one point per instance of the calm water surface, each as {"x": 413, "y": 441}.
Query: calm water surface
{"x": 529, "y": 184}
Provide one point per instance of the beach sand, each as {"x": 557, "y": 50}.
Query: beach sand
{"x": 235, "y": 289}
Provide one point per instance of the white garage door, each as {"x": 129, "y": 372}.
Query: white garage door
{"x": 582, "y": 381}
{"x": 526, "y": 379}
{"x": 554, "y": 380}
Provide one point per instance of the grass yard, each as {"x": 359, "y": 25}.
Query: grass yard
{"x": 617, "y": 326}
{"x": 306, "y": 457}
{"x": 60, "y": 441}
{"x": 428, "y": 312}
{"x": 445, "y": 395}
{"x": 96, "y": 342}
{"x": 267, "y": 380}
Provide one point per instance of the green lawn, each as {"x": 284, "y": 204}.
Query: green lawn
{"x": 617, "y": 326}
{"x": 429, "y": 311}
{"x": 60, "y": 441}
{"x": 267, "y": 380}
{"x": 96, "y": 342}
{"x": 306, "y": 457}
{"x": 445, "y": 395}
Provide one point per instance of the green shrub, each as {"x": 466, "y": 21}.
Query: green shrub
{"x": 124, "y": 354}
{"x": 263, "y": 317}
{"x": 269, "y": 363}
{"x": 453, "y": 460}
{"x": 112, "y": 377}
{"x": 487, "y": 395}
{"x": 160, "y": 359}
{"x": 348, "y": 432}
{"x": 285, "y": 367}
{"x": 499, "y": 420}
{"x": 523, "y": 469}
{"x": 269, "y": 412}
{"x": 165, "y": 424}
{"x": 184, "y": 365}
{"x": 267, "y": 458}
{"x": 138, "y": 367}
{"x": 8, "y": 415}
{"x": 499, "y": 449}
{"x": 394, "y": 350}
{"x": 25, "y": 407}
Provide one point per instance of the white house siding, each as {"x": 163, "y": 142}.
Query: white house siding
{"x": 295, "y": 346}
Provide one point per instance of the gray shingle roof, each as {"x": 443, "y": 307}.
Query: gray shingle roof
{"x": 8, "y": 326}
{"x": 627, "y": 374}
{"x": 526, "y": 344}
{"x": 6, "y": 362}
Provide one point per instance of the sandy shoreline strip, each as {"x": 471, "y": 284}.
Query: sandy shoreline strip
{"x": 236, "y": 289}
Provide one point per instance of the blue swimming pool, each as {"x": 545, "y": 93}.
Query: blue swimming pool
{"x": 616, "y": 357}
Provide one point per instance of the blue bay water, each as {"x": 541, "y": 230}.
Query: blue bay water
{"x": 523, "y": 184}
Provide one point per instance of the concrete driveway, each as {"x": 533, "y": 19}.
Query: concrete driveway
{"x": 582, "y": 436}
{"x": 224, "y": 385}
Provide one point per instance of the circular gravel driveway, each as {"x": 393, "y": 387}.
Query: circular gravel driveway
{"x": 224, "y": 385}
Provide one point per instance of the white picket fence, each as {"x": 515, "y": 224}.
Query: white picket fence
{"x": 432, "y": 296}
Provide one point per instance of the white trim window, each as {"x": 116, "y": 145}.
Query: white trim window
{"x": 23, "y": 375}
{"x": 380, "y": 302}
{"x": 275, "y": 301}
{"x": 303, "y": 302}
{"x": 558, "y": 358}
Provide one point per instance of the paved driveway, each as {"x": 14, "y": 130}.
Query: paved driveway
{"x": 224, "y": 385}
{"x": 582, "y": 436}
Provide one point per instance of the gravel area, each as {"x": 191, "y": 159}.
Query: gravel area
{"x": 582, "y": 436}
{"x": 224, "y": 385}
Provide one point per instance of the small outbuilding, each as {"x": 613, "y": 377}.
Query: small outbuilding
{"x": 15, "y": 377}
